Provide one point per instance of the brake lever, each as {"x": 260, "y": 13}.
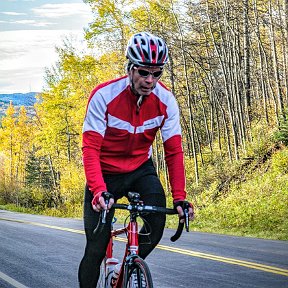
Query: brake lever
{"x": 106, "y": 196}
{"x": 104, "y": 213}
{"x": 186, "y": 215}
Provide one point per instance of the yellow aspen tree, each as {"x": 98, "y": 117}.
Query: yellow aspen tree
{"x": 7, "y": 145}
{"x": 24, "y": 134}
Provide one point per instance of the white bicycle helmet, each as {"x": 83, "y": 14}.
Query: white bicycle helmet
{"x": 145, "y": 49}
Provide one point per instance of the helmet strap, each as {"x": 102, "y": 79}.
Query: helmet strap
{"x": 139, "y": 101}
{"x": 130, "y": 68}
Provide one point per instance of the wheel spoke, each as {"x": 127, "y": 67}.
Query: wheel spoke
{"x": 138, "y": 275}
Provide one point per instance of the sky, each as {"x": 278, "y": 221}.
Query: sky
{"x": 29, "y": 32}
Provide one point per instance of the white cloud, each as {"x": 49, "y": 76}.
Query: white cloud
{"x": 13, "y": 13}
{"x": 32, "y": 23}
{"x": 23, "y": 81}
{"x": 28, "y": 42}
{"x": 22, "y": 22}
{"x": 62, "y": 10}
{"x": 25, "y": 55}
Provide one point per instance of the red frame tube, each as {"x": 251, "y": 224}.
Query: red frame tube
{"x": 132, "y": 245}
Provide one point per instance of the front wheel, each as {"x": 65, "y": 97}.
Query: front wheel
{"x": 137, "y": 275}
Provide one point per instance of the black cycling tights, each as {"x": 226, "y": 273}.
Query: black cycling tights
{"x": 144, "y": 180}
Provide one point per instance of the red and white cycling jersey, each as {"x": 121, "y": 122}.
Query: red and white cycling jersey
{"x": 118, "y": 137}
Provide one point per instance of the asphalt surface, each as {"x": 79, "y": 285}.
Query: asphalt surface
{"x": 39, "y": 252}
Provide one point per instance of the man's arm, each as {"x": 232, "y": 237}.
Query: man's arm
{"x": 91, "y": 145}
{"x": 94, "y": 128}
{"x": 174, "y": 157}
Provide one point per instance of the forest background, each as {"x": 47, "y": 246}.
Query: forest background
{"x": 228, "y": 70}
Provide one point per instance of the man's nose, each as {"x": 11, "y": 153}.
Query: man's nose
{"x": 149, "y": 78}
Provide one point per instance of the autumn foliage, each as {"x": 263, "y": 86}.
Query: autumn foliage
{"x": 228, "y": 70}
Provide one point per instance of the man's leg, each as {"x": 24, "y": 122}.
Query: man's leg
{"x": 155, "y": 223}
{"x": 95, "y": 249}
{"x": 150, "y": 188}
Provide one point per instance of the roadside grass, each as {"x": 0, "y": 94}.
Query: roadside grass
{"x": 253, "y": 204}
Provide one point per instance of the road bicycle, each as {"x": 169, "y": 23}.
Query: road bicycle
{"x": 133, "y": 270}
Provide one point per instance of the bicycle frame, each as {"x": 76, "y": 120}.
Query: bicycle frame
{"x": 135, "y": 207}
{"x": 132, "y": 246}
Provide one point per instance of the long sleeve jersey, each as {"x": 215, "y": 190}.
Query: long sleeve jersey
{"x": 118, "y": 135}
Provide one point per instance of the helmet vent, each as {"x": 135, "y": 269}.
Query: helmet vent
{"x": 145, "y": 54}
{"x": 133, "y": 53}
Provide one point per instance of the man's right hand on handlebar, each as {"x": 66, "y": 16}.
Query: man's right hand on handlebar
{"x": 99, "y": 203}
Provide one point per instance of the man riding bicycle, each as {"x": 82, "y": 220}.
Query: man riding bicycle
{"x": 122, "y": 118}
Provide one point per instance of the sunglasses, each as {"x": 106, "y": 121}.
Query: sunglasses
{"x": 145, "y": 73}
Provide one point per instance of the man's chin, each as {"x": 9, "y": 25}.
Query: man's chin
{"x": 145, "y": 91}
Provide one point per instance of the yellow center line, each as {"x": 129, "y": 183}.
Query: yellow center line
{"x": 252, "y": 265}
{"x": 45, "y": 225}
{"x": 248, "y": 264}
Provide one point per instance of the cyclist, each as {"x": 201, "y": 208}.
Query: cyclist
{"x": 122, "y": 118}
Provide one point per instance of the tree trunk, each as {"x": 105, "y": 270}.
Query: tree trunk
{"x": 188, "y": 96}
{"x": 275, "y": 63}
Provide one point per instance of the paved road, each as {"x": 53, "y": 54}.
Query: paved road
{"x": 44, "y": 252}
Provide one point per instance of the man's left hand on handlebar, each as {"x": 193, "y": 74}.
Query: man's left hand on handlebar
{"x": 178, "y": 205}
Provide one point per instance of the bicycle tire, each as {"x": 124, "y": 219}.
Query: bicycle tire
{"x": 102, "y": 276}
{"x": 137, "y": 275}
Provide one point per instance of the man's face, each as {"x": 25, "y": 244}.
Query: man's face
{"x": 145, "y": 79}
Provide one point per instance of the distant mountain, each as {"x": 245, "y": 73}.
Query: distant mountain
{"x": 18, "y": 100}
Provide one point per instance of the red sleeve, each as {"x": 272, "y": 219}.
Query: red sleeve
{"x": 174, "y": 157}
{"x": 91, "y": 143}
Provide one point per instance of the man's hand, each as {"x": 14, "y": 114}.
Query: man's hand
{"x": 180, "y": 205}
{"x": 98, "y": 202}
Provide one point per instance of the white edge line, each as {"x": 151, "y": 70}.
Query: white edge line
{"x": 11, "y": 281}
